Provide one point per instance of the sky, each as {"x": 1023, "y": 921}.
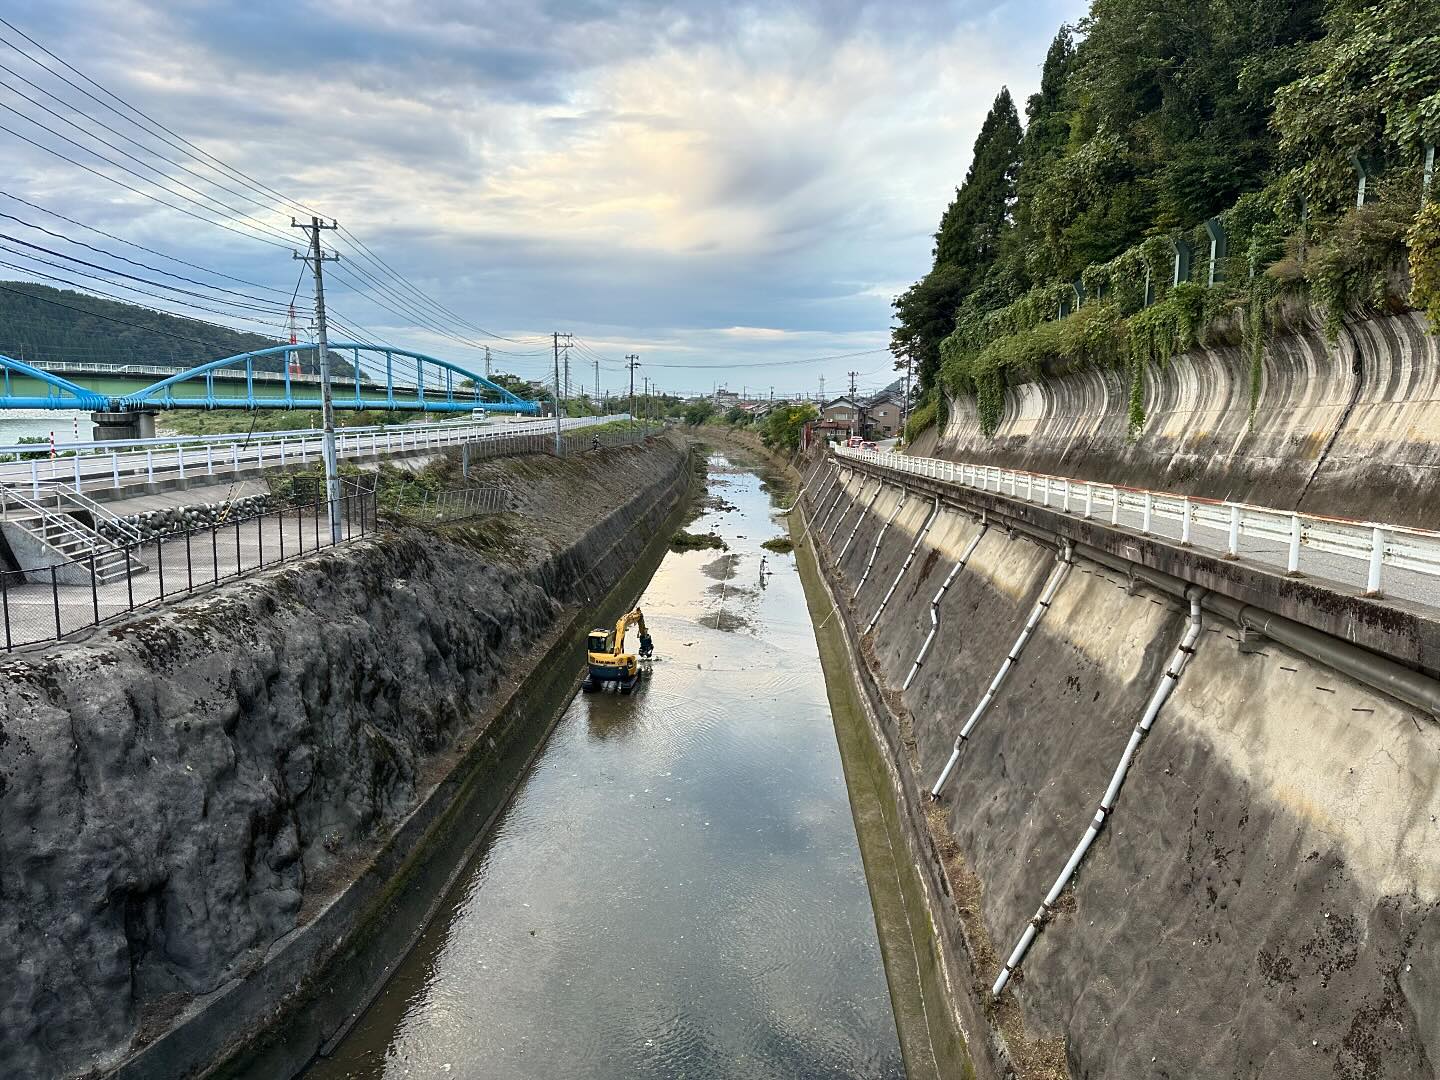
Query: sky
{"x": 729, "y": 191}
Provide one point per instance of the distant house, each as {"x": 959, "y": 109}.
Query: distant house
{"x": 839, "y": 418}
{"x": 882, "y": 416}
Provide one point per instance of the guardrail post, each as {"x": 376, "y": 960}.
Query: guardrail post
{"x": 235, "y": 456}
{"x": 1232, "y": 550}
{"x": 1114, "y": 505}
{"x": 1185, "y": 521}
{"x": 1065, "y": 496}
{"x": 149, "y": 466}
{"x": 282, "y": 452}
{"x": 180, "y": 457}
{"x": 77, "y": 472}
{"x": 209, "y": 460}
{"x": 1045, "y": 491}
{"x": 114, "y": 471}
{"x": 34, "y": 480}
{"x": 1377, "y": 561}
{"x": 1147, "y": 514}
{"x": 1292, "y": 564}
{"x": 1089, "y": 499}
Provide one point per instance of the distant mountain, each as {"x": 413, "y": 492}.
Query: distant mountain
{"x": 41, "y": 323}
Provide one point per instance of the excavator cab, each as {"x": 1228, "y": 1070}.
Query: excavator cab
{"x": 609, "y": 663}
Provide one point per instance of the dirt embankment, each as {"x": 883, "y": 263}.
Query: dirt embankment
{"x": 181, "y": 793}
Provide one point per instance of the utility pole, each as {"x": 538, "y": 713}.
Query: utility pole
{"x": 905, "y": 409}
{"x": 565, "y": 345}
{"x": 852, "y": 375}
{"x": 557, "y": 393}
{"x": 822, "y": 389}
{"x": 597, "y": 377}
{"x": 317, "y": 260}
{"x": 632, "y": 362}
{"x": 487, "y": 361}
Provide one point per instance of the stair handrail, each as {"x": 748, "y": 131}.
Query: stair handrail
{"x": 68, "y": 524}
{"x": 99, "y": 512}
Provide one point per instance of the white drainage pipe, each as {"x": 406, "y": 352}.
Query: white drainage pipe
{"x": 840, "y": 520}
{"x": 904, "y": 497}
{"x": 1047, "y": 594}
{"x": 839, "y": 490}
{"x": 804, "y": 488}
{"x": 851, "y": 538}
{"x": 910, "y": 558}
{"x": 1183, "y": 652}
{"x": 834, "y": 529}
{"x": 935, "y": 605}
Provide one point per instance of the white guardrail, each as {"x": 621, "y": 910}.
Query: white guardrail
{"x": 92, "y": 465}
{"x": 1373, "y": 545}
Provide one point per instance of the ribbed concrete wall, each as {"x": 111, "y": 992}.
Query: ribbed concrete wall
{"x": 1351, "y": 429}
{"x": 1265, "y": 900}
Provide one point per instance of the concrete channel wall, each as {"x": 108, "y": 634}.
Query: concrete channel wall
{"x": 1264, "y": 901}
{"x": 209, "y": 814}
{"x": 1350, "y": 428}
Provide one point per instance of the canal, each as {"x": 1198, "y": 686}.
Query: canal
{"x": 675, "y": 889}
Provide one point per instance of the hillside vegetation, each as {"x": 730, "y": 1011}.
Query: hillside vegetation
{"x": 38, "y": 323}
{"x": 1153, "y": 119}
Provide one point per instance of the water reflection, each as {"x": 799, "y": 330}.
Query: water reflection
{"x": 676, "y": 889}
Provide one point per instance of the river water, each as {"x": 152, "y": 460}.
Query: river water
{"x": 675, "y": 890}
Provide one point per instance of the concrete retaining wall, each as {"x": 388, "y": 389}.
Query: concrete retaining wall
{"x": 1265, "y": 901}
{"x": 198, "y": 808}
{"x": 1350, "y": 429}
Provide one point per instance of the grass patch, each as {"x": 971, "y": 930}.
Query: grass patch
{"x": 688, "y": 541}
{"x": 781, "y": 545}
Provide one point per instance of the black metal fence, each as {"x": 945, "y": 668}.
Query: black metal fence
{"x": 50, "y": 603}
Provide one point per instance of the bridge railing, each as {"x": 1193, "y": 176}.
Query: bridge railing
{"x": 98, "y": 465}
{"x": 1359, "y": 550}
{"x": 40, "y": 605}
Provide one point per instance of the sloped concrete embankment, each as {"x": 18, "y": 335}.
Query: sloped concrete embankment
{"x": 1262, "y": 902}
{"x": 200, "y": 809}
{"x": 1350, "y": 428}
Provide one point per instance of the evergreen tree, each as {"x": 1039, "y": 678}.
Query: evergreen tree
{"x": 966, "y": 245}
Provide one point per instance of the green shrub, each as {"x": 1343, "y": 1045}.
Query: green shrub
{"x": 1424, "y": 242}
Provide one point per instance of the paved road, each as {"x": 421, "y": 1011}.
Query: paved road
{"x": 1347, "y": 573}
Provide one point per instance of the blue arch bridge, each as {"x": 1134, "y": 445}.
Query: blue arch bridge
{"x": 124, "y": 399}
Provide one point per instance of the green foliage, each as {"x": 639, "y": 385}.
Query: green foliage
{"x": 1424, "y": 242}
{"x": 967, "y": 244}
{"x": 927, "y": 415}
{"x": 737, "y": 417}
{"x": 784, "y": 424}
{"x": 33, "y": 327}
{"x": 698, "y": 412}
{"x": 1349, "y": 268}
{"x": 687, "y": 541}
{"x": 1370, "y": 87}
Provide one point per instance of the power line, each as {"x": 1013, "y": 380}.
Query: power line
{"x": 138, "y": 247}
{"x": 269, "y": 307}
{"x": 198, "y": 152}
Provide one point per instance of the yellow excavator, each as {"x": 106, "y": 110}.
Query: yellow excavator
{"x": 610, "y": 663}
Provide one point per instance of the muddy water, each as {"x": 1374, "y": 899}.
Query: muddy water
{"x": 675, "y": 890}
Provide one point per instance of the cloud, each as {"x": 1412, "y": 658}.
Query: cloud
{"x": 745, "y": 178}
